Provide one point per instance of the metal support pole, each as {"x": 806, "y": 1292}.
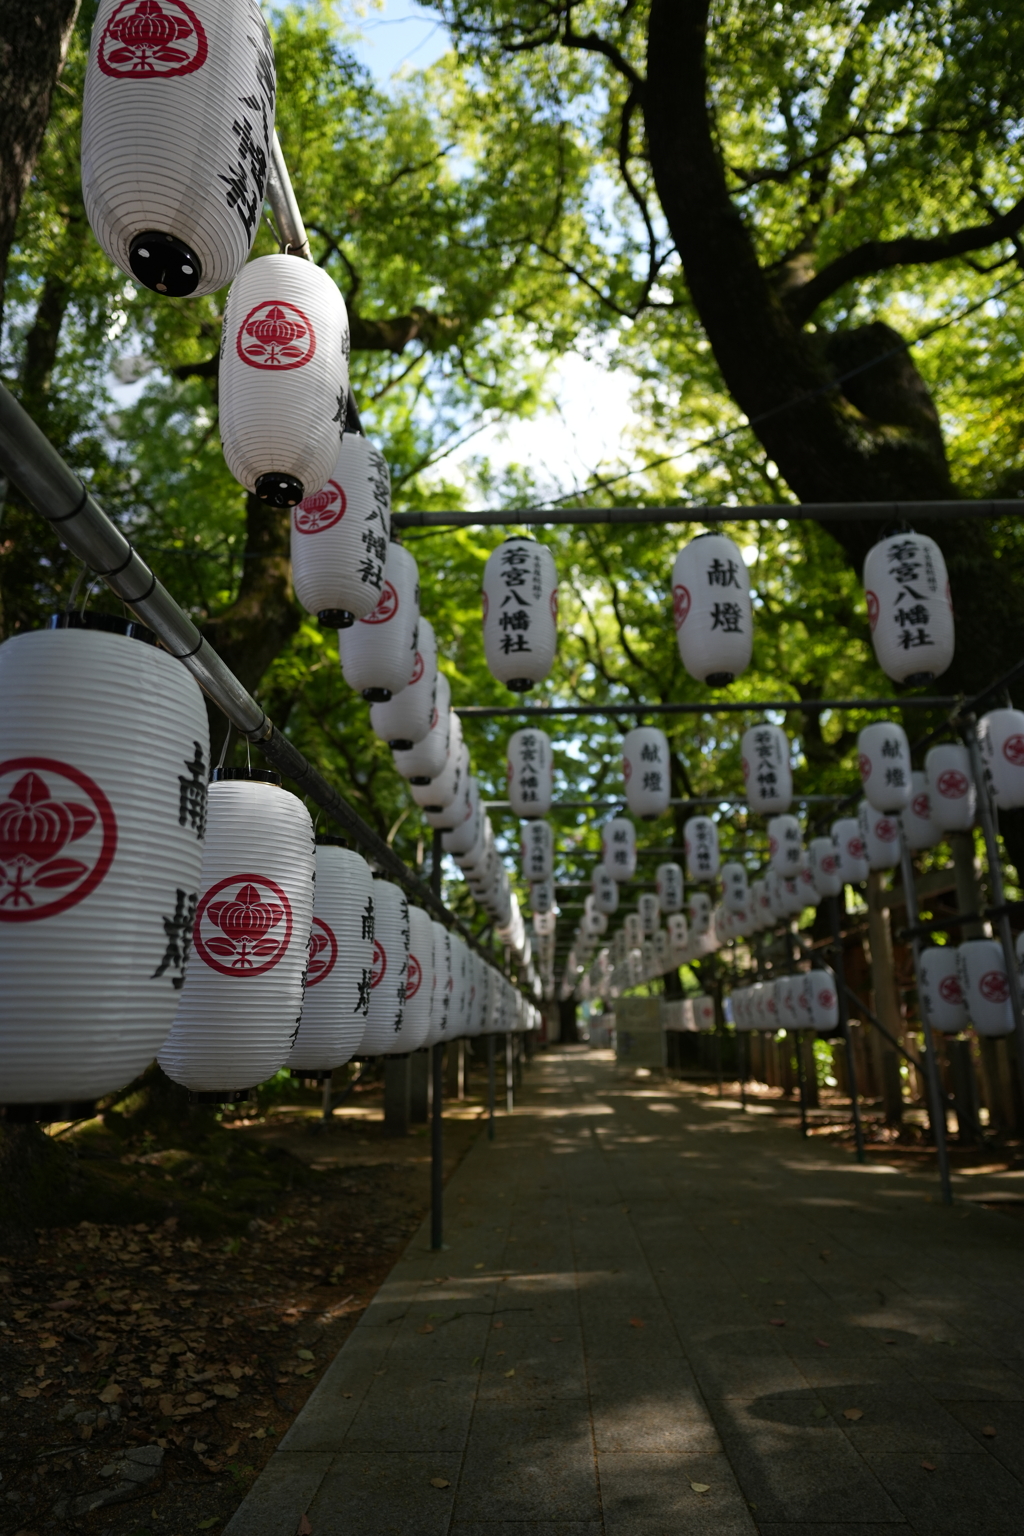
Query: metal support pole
{"x": 490, "y": 1087}
{"x": 718, "y": 1058}
{"x": 987, "y": 817}
{"x": 844, "y": 1025}
{"x": 437, "y": 1149}
{"x": 509, "y": 1081}
{"x": 936, "y": 1103}
{"x": 800, "y": 1078}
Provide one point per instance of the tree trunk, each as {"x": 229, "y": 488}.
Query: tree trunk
{"x": 33, "y": 46}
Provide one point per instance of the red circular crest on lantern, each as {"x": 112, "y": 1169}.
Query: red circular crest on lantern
{"x": 275, "y": 336}
{"x": 152, "y": 40}
{"x": 413, "y": 977}
{"x": 994, "y": 987}
{"x": 922, "y": 807}
{"x": 323, "y": 952}
{"x": 746, "y": 769}
{"x": 826, "y": 999}
{"x": 380, "y": 964}
{"x": 510, "y": 772}
{"x": 322, "y": 510}
{"x": 952, "y": 784}
{"x": 627, "y": 769}
{"x": 243, "y": 925}
{"x": 864, "y": 766}
{"x": 387, "y": 607}
{"x": 886, "y": 830}
{"x": 680, "y": 605}
{"x": 47, "y": 807}
{"x": 872, "y": 609}
{"x": 950, "y": 990}
{"x": 829, "y": 864}
{"x": 1013, "y": 750}
{"x": 855, "y": 847}
{"x": 434, "y": 719}
{"x": 419, "y": 667}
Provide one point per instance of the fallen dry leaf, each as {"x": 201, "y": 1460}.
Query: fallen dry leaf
{"x": 429, "y": 1328}
{"x": 822, "y": 1343}
{"x": 28, "y": 1391}
{"x": 304, "y": 1528}
{"x": 700, "y": 1487}
{"x": 511, "y": 1372}
{"x": 232, "y": 1449}
{"x": 150, "y": 1383}
{"x": 853, "y": 1413}
{"x": 990, "y": 1431}
{"x": 112, "y": 1393}
{"x": 475, "y": 1266}
{"x": 928, "y": 1466}
{"x": 305, "y": 1354}
{"x": 556, "y": 1338}
{"x": 498, "y": 1324}
{"x": 439, "y": 1482}
{"x": 637, "y": 1322}
{"x": 777, "y": 1322}
{"x": 227, "y": 1388}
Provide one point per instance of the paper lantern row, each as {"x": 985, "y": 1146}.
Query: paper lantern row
{"x": 808, "y": 1000}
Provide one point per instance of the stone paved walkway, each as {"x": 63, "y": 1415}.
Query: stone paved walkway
{"x": 659, "y": 1316}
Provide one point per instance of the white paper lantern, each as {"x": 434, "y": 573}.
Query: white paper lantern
{"x": 337, "y": 994}
{"x": 919, "y": 827}
{"x": 378, "y": 654}
{"x": 596, "y": 920}
{"x": 538, "y": 849}
{"x": 700, "y": 838}
{"x": 463, "y": 836}
{"x": 777, "y": 903}
{"x": 985, "y": 986}
{"x": 735, "y": 886}
{"x": 699, "y": 914}
{"x": 474, "y": 864}
{"x": 703, "y": 1012}
{"x": 177, "y": 128}
{"x": 530, "y": 772}
{"x": 419, "y": 980}
{"x": 340, "y": 537}
{"x": 408, "y": 715}
{"x": 441, "y": 983}
{"x": 824, "y": 1000}
{"x": 104, "y": 753}
{"x": 668, "y": 881}
{"x": 520, "y": 609}
{"x": 634, "y": 930}
{"x": 427, "y": 758}
{"x": 545, "y": 923}
{"x": 240, "y": 1005}
{"x": 951, "y": 791}
{"x": 618, "y": 848}
{"x": 712, "y": 611}
{"x": 385, "y": 1018}
{"x": 764, "y": 754}
{"x": 458, "y": 1015}
{"x": 446, "y": 791}
{"x": 942, "y": 995}
{"x": 678, "y": 931}
{"x": 802, "y": 1001}
{"x": 283, "y": 378}
{"x": 542, "y": 896}
{"x": 645, "y": 769}
{"x": 649, "y": 910}
{"x": 883, "y": 756}
{"x": 785, "y": 845}
{"x": 605, "y": 888}
{"x": 769, "y": 1005}
{"x": 880, "y": 835}
{"x": 909, "y": 608}
{"x": 1001, "y": 740}
{"x": 784, "y": 1001}
{"x": 849, "y": 846}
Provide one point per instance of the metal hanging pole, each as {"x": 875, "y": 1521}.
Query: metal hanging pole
{"x": 987, "y": 817}
{"x": 936, "y": 1103}
{"x": 818, "y": 511}
{"x": 280, "y": 194}
{"x": 706, "y": 707}
{"x": 844, "y": 1024}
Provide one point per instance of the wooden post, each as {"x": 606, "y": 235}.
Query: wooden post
{"x": 885, "y": 998}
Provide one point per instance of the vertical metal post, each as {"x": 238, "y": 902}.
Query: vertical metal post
{"x": 936, "y": 1103}
{"x": 844, "y": 1023}
{"x": 718, "y": 1058}
{"x": 509, "y": 1082}
{"x": 987, "y": 817}
{"x": 798, "y": 1036}
{"x": 437, "y": 1149}
{"x": 490, "y": 1087}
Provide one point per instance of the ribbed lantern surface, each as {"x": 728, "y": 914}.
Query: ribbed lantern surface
{"x": 283, "y": 378}
{"x": 942, "y": 993}
{"x": 240, "y": 1006}
{"x": 668, "y": 882}
{"x": 605, "y": 888}
{"x": 177, "y": 127}
{"x": 883, "y": 757}
{"x": 880, "y": 835}
{"x": 986, "y": 989}
{"x": 530, "y": 772}
{"x": 618, "y": 848}
{"x": 649, "y": 911}
{"x": 919, "y": 826}
{"x": 419, "y": 980}
{"x": 441, "y": 983}
{"x": 378, "y": 654}
{"x": 951, "y": 790}
{"x": 438, "y": 793}
{"x": 825, "y": 866}
{"x": 821, "y": 992}
{"x": 785, "y": 845}
{"x": 101, "y": 828}
{"x": 538, "y": 851}
{"x": 735, "y": 886}
{"x": 463, "y": 836}
{"x": 909, "y": 607}
{"x": 700, "y": 839}
{"x": 340, "y": 537}
{"x": 711, "y": 608}
{"x": 520, "y": 612}
{"x": 764, "y": 755}
{"x": 427, "y": 758}
{"x": 1001, "y": 740}
{"x": 849, "y": 845}
{"x": 645, "y": 769}
{"x": 407, "y": 717}
{"x": 385, "y": 1017}
{"x": 340, "y": 962}
{"x": 459, "y": 1010}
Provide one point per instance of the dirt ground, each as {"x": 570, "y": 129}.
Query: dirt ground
{"x": 148, "y": 1370}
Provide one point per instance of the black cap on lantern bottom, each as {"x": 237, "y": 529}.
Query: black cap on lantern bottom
{"x": 47, "y": 1114}
{"x": 164, "y": 264}
{"x": 420, "y": 780}
{"x": 519, "y": 684}
{"x": 376, "y": 695}
{"x": 918, "y": 679}
{"x": 335, "y": 618}
{"x": 307, "y": 1075}
{"x": 106, "y": 623}
{"x": 720, "y": 679}
{"x": 279, "y": 490}
{"x": 402, "y": 744}
{"x": 222, "y": 1096}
